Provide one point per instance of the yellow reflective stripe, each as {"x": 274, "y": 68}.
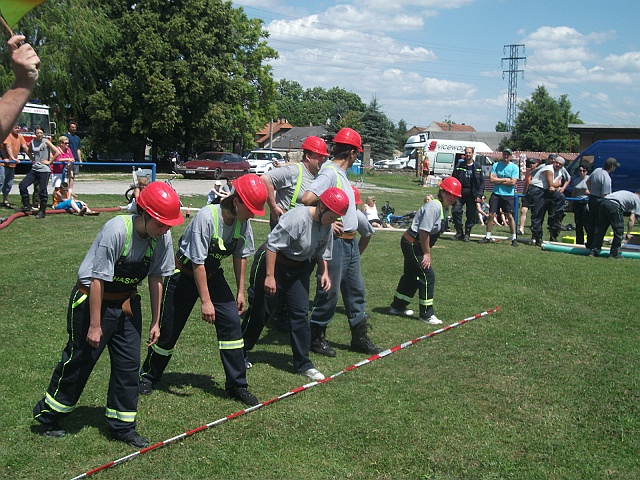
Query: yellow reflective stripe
{"x": 399, "y": 296}
{"x": 79, "y": 300}
{"x": 129, "y": 417}
{"x": 230, "y": 344}
{"x": 128, "y": 223}
{"x": 296, "y": 191}
{"x": 427, "y": 302}
{"x": 161, "y": 351}
{"x": 57, "y": 406}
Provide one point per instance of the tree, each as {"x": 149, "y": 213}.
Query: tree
{"x": 502, "y": 127}
{"x": 401, "y": 134}
{"x": 378, "y": 131}
{"x": 542, "y": 124}
{"x": 184, "y": 73}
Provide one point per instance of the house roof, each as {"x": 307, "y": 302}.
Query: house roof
{"x": 292, "y": 139}
{"x": 265, "y": 133}
{"x": 449, "y": 127}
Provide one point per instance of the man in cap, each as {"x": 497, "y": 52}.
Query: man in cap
{"x": 344, "y": 266}
{"x": 599, "y": 185}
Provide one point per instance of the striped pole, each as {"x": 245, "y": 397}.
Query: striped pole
{"x": 287, "y": 394}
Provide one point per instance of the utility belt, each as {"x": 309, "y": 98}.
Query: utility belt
{"x": 347, "y": 235}
{"x": 189, "y": 271}
{"x": 124, "y": 297}
{"x": 287, "y": 262}
{"x": 410, "y": 239}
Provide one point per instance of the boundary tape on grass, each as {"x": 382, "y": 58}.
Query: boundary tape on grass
{"x": 290, "y": 393}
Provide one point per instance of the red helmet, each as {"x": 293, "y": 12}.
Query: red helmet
{"x": 452, "y": 185}
{"x": 252, "y": 192}
{"x": 161, "y": 202}
{"x": 335, "y": 200}
{"x": 356, "y": 193}
{"x": 316, "y": 145}
{"x": 349, "y": 136}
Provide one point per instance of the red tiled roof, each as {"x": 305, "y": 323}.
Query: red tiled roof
{"x": 455, "y": 127}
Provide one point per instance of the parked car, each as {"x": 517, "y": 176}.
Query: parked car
{"x": 394, "y": 164}
{"x": 261, "y": 161}
{"x": 214, "y": 165}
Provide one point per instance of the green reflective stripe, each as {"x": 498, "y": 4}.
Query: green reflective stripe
{"x": 176, "y": 270}
{"x": 236, "y": 231}
{"x": 161, "y": 351}
{"x": 128, "y": 223}
{"x": 399, "y": 296}
{"x": 441, "y": 209}
{"x": 231, "y": 344}
{"x": 128, "y": 417}
{"x": 79, "y": 300}
{"x": 427, "y": 302}
{"x": 337, "y": 175}
{"x": 296, "y": 192}
{"x": 252, "y": 281}
{"x": 57, "y": 406}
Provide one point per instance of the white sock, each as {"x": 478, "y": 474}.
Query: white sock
{"x": 514, "y": 237}
{"x": 489, "y": 235}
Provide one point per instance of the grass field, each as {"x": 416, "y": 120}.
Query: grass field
{"x": 548, "y": 388}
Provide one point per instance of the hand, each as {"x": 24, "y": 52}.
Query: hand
{"x": 270, "y": 285}
{"x": 426, "y": 261}
{"x": 276, "y": 213}
{"x": 208, "y": 312}
{"x": 325, "y": 282}
{"x": 24, "y": 60}
{"x": 94, "y": 335}
{"x": 154, "y": 335}
{"x": 337, "y": 228}
{"x": 240, "y": 302}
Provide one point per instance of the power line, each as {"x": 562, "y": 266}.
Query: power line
{"x": 513, "y": 81}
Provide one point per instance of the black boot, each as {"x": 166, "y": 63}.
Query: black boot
{"x": 26, "y": 206}
{"x": 319, "y": 342}
{"x": 360, "y": 341}
{"x": 43, "y": 211}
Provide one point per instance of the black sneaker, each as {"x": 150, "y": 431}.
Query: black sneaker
{"x": 485, "y": 240}
{"x": 132, "y": 438}
{"x": 458, "y": 236}
{"x": 145, "y": 387}
{"x": 514, "y": 243}
{"x": 467, "y": 237}
{"x": 53, "y": 430}
{"x": 243, "y": 395}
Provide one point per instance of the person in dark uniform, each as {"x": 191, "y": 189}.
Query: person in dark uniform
{"x": 105, "y": 311}
{"x": 469, "y": 173}
{"x": 302, "y": 238}
{"x": 216, "y": 232}
{"x": 416, "y": 245}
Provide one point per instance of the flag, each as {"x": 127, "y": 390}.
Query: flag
{"x": 14, "y": 10}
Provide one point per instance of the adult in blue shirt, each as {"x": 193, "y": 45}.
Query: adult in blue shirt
{"x": 76, "y": 149}
{"x": 504, "y": 176}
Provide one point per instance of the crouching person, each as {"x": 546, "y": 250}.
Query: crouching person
{"x": 105, "y": 311}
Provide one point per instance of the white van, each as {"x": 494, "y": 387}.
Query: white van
{"x": 443, "y": 154}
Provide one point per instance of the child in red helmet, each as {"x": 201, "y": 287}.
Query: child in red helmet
{"x": 104, "y": 310}
{"x": 416, "y": 245}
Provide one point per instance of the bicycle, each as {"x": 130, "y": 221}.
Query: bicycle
{"x": 396, "y": 221}
{"x": 146, "y": 173}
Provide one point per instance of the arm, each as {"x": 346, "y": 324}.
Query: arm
{"x": 632, "y": 222}
{"x": 155, "y": 295}
{"x": 276, "y": 211}
{"x": 426, "y": 249}
{"x": 239, "y": 268}
{"x": 53, "y": 150}
{"x": 362, "y": 244}
{"x": 25, "y": 65}
{"x": 96, "y": 291}
{"x": 564, "y": 186}
{"x": 323, "y": 273}
{"x": 200, "y": 278}
{"x": 270, "y": 277}
{"x": 309, "y": 198}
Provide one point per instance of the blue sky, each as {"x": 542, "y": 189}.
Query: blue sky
{"x": 429, "y": 60}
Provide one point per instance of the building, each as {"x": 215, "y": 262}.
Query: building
{"x": 590, "y": 134}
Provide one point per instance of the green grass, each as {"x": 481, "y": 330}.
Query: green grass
{"x": 545, "y": 389}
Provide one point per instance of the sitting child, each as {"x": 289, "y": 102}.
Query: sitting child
{"x": 142, "y": 182}
{"x": 63, "y": 200}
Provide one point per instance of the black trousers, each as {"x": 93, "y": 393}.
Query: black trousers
{"x": 609, "y": 213}
{"x": 594, "y": 207}
{"x": 581, "y": 215}
{"x": 414, "y": 278}
{"x": 31, "y": 178}
{"x": 121, "y": 335}
{"x": 179, "y": 299}
{"x": 468, "y": 201}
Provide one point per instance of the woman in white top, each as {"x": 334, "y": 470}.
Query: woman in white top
{"x": 371, "y": 212}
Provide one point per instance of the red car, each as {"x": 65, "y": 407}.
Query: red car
{"x": 214, "y": 165}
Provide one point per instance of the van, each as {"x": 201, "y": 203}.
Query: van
{"x": 627, "y": 152}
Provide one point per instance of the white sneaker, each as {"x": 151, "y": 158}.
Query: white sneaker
{"x": 313, "y": 374}
{"x": 247, "y": 363}
{"x": 433, "y": 320}
{"x": 405, "y": 313}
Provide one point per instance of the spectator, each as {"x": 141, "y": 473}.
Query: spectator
{"x": 416, "y": 244}
{"x": 469, "y": 173}
{"x": 504, "y": 176}
{"x": 63, "y": 155}
{"x": 63, "y": 200}
{"x": 599, "y": 185}
{"x": 580, "y": 210}
{"x": 427, "y": 198}
{"x": 143, "y": 181}
{"x": 426, "y": 170}
{"x": 41, "y": 149}
{"x": 227, "y": 188}
{"x": 216, "y": 232}
{"x": 611, "y": 212}
{"x": 344, "y": 266}
{"x": 302, "y": 237}
{"x": 76, "y": 149}
{"x": 371, "y": 212}
{"x": 216, "y": 194}
{"x": 105, "y": 311}
{"x": 483, "y": 210}
{"x": 13, "y": 144}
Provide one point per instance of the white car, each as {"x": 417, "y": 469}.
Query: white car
{"x": 394, "y": 164}
{"x": 261, "y": 161}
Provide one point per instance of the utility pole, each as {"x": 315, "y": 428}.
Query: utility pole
{"x": 513, "y": 80}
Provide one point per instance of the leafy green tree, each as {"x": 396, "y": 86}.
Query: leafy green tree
{"x": 502, "y": 127}
{"x": 401, "y": 134}
{"x": 187, "y": 73}
{"x": 542, "y": 124}
{"x": 378, "y": 131}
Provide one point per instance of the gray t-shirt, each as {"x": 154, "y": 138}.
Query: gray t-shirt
{"x": 580, "y": 188}
{"x": 40, "y": 151}
{"x": 599, "y": 183}
{"x": 428, "y": 218}
{"x": 629, "y": 201}
{"x": 196, "y": 239}
{"x": 333, "y": 176}
{"x": 109, "y": 245}
{"x": 285, "y": 179}
{"x": 299, "y": 238}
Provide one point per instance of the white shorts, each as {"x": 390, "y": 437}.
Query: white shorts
{"x": 56, "y": 179}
